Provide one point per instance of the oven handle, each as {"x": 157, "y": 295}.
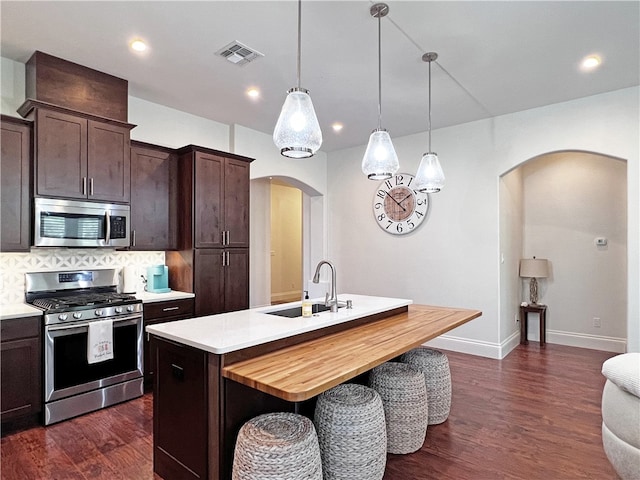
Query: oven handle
{"x": 56, "y": 328}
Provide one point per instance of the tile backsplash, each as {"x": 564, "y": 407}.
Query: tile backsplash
{"x": 13, "y": 266}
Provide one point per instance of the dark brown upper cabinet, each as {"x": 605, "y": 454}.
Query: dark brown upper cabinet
{"x": 14, "y": 172}
{"x": 153, "y": 197}
{"x": 214, "y": 190}
{"x": 79, "y": 156}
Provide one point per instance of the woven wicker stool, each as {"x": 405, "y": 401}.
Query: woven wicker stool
{"x": 437, "y": 377}
{"x": 404, "y": 397}
{"x": 277, "y": 446}
{"x": 349, "y": 419}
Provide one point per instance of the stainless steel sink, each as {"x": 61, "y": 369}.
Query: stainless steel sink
{"x": 294, "y": 312}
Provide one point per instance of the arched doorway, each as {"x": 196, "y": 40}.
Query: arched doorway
{"x": 563, "y": 206}
{"x": 312, "y": 239}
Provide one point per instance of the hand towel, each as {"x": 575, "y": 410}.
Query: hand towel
{"x": 100, "y": 341}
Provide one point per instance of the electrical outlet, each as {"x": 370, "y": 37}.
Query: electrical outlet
{"x": 596, "y": 322}
{"x": 516, "y": 318}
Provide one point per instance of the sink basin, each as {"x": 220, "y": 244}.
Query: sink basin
{"x": 294, "y": 312}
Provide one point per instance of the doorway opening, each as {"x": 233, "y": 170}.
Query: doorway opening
{"x": 286, "y": 242}
{"x": 569, "y": 207}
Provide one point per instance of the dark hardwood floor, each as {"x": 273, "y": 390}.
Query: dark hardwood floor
{"x": 533, "y": 415}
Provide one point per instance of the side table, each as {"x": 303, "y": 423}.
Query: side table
{"x": 535, "y": 308}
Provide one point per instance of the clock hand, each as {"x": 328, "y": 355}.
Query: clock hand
{"x": 391, "y": 197}
{"x": 405, "y": 198}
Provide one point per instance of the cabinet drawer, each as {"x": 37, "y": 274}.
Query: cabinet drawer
{"x": 16, "y": 328}
{"x": 170, "y": 308}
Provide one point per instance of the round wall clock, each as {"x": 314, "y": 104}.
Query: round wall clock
{"x": 398, "y": 208}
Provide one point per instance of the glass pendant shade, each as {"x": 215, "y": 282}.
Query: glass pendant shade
{"x": 297, "y": 133}
{"x": 380, "y": 160}
{"x": 430, "y": 177}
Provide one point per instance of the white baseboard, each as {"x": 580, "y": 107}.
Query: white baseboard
{"x": 464, "y": 345}
{"x": 583, "y": 340}
{"x": 499, "y": 351}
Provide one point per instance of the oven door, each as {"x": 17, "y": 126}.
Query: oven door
{"x": 67, "y": 370}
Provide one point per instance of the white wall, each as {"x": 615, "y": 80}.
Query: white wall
{"x": 454, "y": 258}
{"x": 172, "y": 128}
{"x": 511, "y": 246}
{"x": 260, "y": 243}
{"x": 12, "y": 78}
{"x": 570, "y": 198}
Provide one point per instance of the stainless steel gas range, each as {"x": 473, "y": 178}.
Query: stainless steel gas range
{"x": 76, "y": 305}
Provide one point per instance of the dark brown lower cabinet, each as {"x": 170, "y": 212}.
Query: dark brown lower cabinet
{"x": 161, "y": 312}
{"x": 197, "y": 413}
{"x": 180, "y": 427}
{"x": 21, "y": 369}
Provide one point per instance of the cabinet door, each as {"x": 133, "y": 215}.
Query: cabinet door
{"x": 208, "y": 282}
{"x": 61, "y": 155}
{"x": 236, "y": 279}
{"x": 208, "y": 200}
{"x": 180, "y": 415}
{"x": 161, "y": 312}
{"x": 236, "y": 202}
{"x": 108, "y": 166}
{"x": 21, "y": 378}
{"x": 153, "y": 174}
{"x": 14, "y": 174}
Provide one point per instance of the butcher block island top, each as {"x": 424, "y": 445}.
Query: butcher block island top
{"x": 302, "y": 371}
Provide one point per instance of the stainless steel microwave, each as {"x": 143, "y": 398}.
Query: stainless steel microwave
{"x": 73, "y": 223}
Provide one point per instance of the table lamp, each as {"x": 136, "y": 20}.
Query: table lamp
{"x": 534, "y": 268}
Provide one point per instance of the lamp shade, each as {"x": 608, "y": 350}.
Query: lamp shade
{"x": 429, "y": 177}
{"x": 297, "y": 133}
{"x": 380, "y": 160}
{"x": 534, "y": 268}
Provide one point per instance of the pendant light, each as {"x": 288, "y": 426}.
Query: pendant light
{"x": 297, "y": 133}
{"x": 380, "y": 160}
{"x": 430, "y": 177}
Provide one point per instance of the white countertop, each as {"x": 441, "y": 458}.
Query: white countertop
{"x": 232, "y": 331}
{"x": 149, "y": 297}
{"x": 18, "y": 310}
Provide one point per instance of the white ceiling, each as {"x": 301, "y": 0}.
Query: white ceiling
{"x": 494, "y": 57}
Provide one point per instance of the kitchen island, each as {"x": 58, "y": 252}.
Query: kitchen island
{"x": 216, "y": 372}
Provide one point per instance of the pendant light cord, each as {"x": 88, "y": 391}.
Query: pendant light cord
{"x": 429, "y": 107}
{"x": 379, "y": 73}
{"x": 299, "y": 37}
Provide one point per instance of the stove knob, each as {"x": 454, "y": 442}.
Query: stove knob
{"x": 99, "y": 313}
{"x": 77, "y": 315}
{"x": 118, "y": 309}
{"x": 130, "y": 308}
{"x": 62, "y": 317}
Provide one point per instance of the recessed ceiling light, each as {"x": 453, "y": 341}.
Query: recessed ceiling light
{"x": 138, "y": 45}
{"x": 337, "y": 126}
{"x": 253, "y": 92}
{"x": 591, "y": 62}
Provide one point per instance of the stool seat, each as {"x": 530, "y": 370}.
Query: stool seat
{"x": 437, "y": 376}
{"x": 404, "y": 397}
{"x": 349, "y": 420}
{"x": 277, "y": 446}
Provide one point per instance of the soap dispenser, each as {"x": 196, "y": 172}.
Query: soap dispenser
{"x": 306, "y": 305}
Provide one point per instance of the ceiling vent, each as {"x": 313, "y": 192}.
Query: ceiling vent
{"x": 238, "y": 53}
